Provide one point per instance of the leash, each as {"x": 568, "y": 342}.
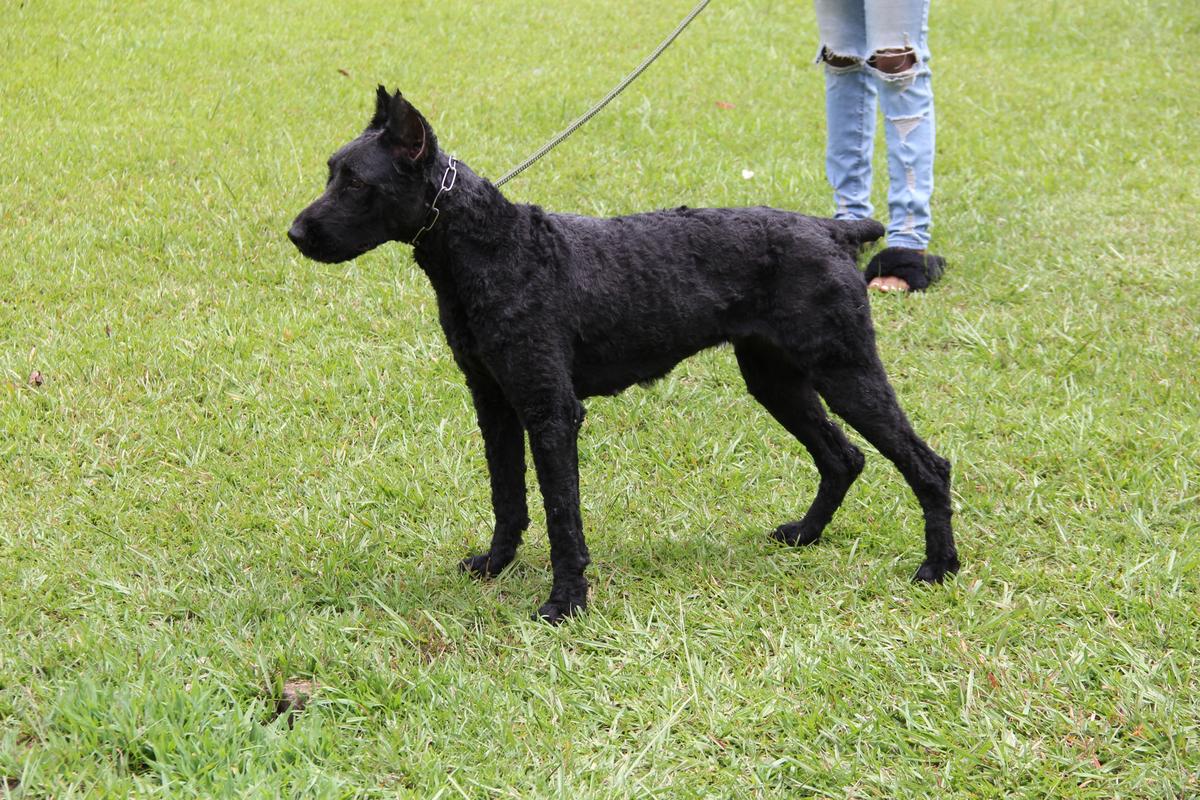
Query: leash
{"x": 620, "y": 87}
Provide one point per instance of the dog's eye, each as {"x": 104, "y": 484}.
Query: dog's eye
{"x": 355, "y": 184}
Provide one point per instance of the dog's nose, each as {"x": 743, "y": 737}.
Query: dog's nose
{"x": 297, "y": 233}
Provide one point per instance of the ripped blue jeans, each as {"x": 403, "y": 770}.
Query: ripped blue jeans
{"x": 857, "y": 38}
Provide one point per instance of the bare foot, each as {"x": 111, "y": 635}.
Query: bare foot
{"x": 888, "y": 283}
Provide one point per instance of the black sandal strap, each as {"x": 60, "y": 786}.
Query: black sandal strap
{"x": 918, "y": 270}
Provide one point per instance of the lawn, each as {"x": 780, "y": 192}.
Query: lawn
{"x": 224, "y": 467}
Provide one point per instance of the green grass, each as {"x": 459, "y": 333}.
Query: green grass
{"x": 243, "y": 467}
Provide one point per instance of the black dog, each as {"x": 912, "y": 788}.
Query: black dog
{"x": 543, "y": 309}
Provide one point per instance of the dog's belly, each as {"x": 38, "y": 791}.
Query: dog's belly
{"x": 605, "y": 373}
{"x": 596, "y": 379}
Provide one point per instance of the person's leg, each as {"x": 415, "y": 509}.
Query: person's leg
{"x": 898, "y": 60}
{"x": 849, "y": 105}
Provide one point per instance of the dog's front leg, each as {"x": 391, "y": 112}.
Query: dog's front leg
{"x": 553, "y": 439}
{"x": 504, "y": 444}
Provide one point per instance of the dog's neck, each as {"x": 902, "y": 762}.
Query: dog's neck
{"x": 471, "y": 215}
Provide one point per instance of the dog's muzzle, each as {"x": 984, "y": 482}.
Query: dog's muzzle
{"x": 298, "y": 233}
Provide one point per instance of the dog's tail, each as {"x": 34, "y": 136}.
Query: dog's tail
{"x": 855, "y": 234}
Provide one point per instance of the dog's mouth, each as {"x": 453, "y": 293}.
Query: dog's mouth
{"x": 328, "y": 256}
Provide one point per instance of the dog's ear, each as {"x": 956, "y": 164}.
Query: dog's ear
{"x": 382, "y": 100}
{"x": 408, "y": 135}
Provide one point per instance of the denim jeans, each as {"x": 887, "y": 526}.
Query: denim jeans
{"x": 856, "y": 31}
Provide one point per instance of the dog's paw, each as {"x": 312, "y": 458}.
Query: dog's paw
{"x": 795, "y": 534}
{"x": 556, "y": 612}
{"x": 936, "y": 570}
{"x": 483, "y": 566}
{"x": 566, "y": 600}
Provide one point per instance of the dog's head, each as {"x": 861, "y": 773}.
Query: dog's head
{"x": 378, "y": 188}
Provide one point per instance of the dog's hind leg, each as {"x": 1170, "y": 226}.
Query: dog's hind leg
{"x": 785, "y": 391}
{"x": 861, "y": 395}
{"x": 504, "y": 444}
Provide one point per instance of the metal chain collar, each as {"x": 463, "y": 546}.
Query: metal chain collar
{"x": 448, "y": 179}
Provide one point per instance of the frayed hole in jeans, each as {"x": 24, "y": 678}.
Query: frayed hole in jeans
{"x": 838, "y": 62}
{"x": 895, "y": 65}
{"x": 905, "y": 125}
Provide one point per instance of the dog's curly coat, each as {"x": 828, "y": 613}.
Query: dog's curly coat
{"x": 542, "y": 309}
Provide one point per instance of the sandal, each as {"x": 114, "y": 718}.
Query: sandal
{"x": 915, "y": 267}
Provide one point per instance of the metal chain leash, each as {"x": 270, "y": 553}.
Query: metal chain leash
{"x": 620, "y": 87}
